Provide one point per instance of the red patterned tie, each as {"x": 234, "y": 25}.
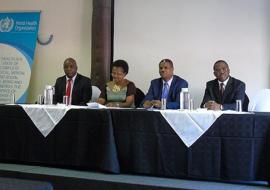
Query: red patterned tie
{"x": 69, "y": 88}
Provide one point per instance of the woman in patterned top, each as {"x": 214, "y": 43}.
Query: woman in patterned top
{"x": 119, "y": 92}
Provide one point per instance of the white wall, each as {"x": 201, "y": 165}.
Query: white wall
{"x": 70, "y": 23}
{"x": 194, "y": 34}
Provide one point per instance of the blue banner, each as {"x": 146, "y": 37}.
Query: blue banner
{"x": 18, "y": 37}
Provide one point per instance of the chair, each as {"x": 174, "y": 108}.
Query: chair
{"x": 139, "y": 96}
{"x": 245, "y": 103}
{"x": 95, "y": 93}
{"x": 260, "y": 102}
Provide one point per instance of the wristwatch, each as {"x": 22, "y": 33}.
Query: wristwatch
{"x": 221, "y": 107}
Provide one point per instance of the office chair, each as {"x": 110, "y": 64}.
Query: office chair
{"x": 260, "y": 102}
{"x": 139, "y": 96}
{"x": 95, "y": 93}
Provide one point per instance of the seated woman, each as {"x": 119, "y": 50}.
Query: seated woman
{"x": 119, "y": 92}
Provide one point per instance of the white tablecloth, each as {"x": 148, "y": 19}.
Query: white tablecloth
{"x": 191, "y": 125}
{"x": 45, "y": 117}
{"x": 188, "y": 125}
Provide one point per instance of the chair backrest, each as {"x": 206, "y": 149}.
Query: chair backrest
{"x": 139, "y": 96}
{"x": 260, "y": 102}
{"x": 245, "y": 103}
{"x": 95, "y": 93}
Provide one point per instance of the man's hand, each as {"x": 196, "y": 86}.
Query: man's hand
{"x": 147, "y": 104}
{"x": 212, "y": 105}
{"x": 156, "y": 103}
{"x": 153, "y": 103}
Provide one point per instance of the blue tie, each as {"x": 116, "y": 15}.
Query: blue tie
{"x": 165, "y": 90}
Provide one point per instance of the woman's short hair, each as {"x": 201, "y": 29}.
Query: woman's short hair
{"x": 121, "y": 63}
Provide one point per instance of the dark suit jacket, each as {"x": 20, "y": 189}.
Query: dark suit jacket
{"x": 173, "y": 100}
{"x": 81, "y": 92}
{"x": 234, "y": 90}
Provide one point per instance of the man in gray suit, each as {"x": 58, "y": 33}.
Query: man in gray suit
{"x": 222, "y": 92}
{"x": 77, "y": 87}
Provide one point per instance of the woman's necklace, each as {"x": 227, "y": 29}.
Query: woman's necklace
{"x": 116, "y": 88}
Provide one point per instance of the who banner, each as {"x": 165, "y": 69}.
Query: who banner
{"x": 18, "y": 37}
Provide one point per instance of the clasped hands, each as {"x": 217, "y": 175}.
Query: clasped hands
{"x": 152, "y": 104}
{"x": 212, "y": 105}
{"x": 113, "y": 104}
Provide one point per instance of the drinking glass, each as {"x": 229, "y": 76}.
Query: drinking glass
{"x": 238, "y": 106}
{"x": 66, "y": 100}
{"x": 191, "y": 104}
{"x": 12, "y": 98}
{"x": 163, "y": 104}
{"x": 40, "y": 99}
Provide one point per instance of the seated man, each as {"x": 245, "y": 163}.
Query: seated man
{"x": 222, "y": 92}
{"x": 77, "y": 87}
{"x": 168, "y": 86}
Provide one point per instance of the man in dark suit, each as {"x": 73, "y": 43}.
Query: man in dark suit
{"x": 77, "y": 87}
{"x": 222, "y": 92}
{"x": 168, "y": 86}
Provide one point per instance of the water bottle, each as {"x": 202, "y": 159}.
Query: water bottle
{"x": 184, "y": 99}
{"x": 48, "y": 94}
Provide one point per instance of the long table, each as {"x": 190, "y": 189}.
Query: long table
{"x": 236, "y": 147}
{"x": 82, "y": 139}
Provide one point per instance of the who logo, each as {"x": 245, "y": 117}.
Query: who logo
{"x": 6, "y": 24}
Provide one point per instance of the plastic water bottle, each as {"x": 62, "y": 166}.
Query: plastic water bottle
{"x": 48, "y": 94}
{"x": 184, "y": 99}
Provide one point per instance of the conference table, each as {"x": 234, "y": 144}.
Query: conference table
{"x": 139, "y": 141}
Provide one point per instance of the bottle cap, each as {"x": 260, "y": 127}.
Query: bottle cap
{"x": 184, "y": 90}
